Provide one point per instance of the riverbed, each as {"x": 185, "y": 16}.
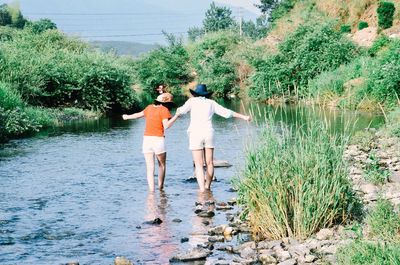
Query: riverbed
{"x": 79, "y": 193}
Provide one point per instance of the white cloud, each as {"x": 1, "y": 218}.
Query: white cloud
{"x": 246, "y": 4}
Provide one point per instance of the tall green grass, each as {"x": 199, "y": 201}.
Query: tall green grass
{"x": 295, "y": 181}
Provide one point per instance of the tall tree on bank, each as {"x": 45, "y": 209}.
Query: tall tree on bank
{"x": 267, "y": 5}
{"x": 218, "y": 18}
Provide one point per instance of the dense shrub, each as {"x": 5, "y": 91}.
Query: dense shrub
{"x": 333, "y": 81}
{"x": 211, "y": 61}
{"x": 385, "y": 14}
{"x": 165, "y": 65}
{"x": 383, "y": 222}
{"x": 42, "y": 25}
{"x": 303, "y": 55}
{"x": 363, "y": 252}
{"x": 384, "y": 82}
{"x": 345, "y": 28}
{"x": 218, "y": 18}
{"x": 295, "y": 182}
{"x": 380, "y": 42}
{"x": 362, "y": 25}
{"x": 51, "y": 70}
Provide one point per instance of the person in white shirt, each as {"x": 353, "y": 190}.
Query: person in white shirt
{"x": 201, "y": 132}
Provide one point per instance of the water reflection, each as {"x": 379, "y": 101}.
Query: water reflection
{"x": 155, "y": 237}
{"x": 200, "y": 225}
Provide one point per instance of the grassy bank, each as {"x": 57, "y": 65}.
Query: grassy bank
{"x": 295, "y": 181}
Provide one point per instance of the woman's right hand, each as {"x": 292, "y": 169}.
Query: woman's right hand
{"x": 125, "y": 117}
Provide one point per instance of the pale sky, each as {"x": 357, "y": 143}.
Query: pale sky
{"x": 129, "y": 20}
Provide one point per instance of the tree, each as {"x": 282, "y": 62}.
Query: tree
{"x": 267, "y": 5}
{"x": 195, "y": 33}
{"x": 42, "y": 25}
{"x": 218, "y": 18}
{"x": 256, "y": 30}
{"x": 5, "y": 16}
{"x": 19, "y": 21}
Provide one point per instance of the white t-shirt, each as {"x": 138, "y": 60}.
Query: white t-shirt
{"x": 201, "y": 111}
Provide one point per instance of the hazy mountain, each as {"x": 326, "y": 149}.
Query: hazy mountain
{"x": 124, "y": 47}
{"x": 139, "y": 21}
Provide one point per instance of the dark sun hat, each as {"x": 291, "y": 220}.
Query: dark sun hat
{"x": 201, "y": 91}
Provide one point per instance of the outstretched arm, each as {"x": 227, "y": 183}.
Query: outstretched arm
{"x": 241, "y": 116}
{"x": 168, "y": 123}
{"x": 227, "y": 113}
{"x": 133, "y": 116}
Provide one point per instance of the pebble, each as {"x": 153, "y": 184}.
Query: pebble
{"x": 216, "y": 239}
{"x": 184, "y": 239}
{"x": 176, "y": 220}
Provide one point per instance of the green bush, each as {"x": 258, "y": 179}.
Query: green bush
{"x": 309, "y": 51}
{"x": 383, "y": 222}
{"x": 385, "y": 14}
{"x": 42, "y": 25}
{"x": 9, "y": 98}
{"x": 51, "y": 70}
{"x": 345, "y": 28}
{"x": 384, "y": 81}
{"x": 373, "y": 173}
{"x": 380, "y": 42}
{"x": 333, "y": 81}
{"x": 295, "y": 182}
{"x": 363, "y": 252}
{"x": 165, "y": 65}
{"x": 362, "y": 25}
{"x": 211, "y": 61}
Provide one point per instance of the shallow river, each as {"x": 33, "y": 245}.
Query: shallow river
{"x": 79, "y": 193}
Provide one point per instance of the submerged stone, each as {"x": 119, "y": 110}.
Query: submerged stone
{"x": 156, "y": 221}
{"x": 193, "y": 254}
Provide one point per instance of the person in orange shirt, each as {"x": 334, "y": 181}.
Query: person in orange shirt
{"x": 158, "y": 118}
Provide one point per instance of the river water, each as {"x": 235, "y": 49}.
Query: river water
{"x": 79, "y": 193}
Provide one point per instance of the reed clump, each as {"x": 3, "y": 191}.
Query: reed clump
{"x": 295, "y": 181}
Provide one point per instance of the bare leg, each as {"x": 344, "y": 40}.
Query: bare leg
{"x": 161, "y": 158}
{"x": 209, "y": 154}
{"x": 198, "y": 163}
{"x": 149, "y": 157}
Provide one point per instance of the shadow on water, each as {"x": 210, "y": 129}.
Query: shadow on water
{"x": 79, "y": 192}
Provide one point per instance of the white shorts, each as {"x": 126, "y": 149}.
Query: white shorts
{"x": 153, "y": 144}
{"x": 200, "y": 140}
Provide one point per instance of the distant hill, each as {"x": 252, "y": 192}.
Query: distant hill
{"x": 134, "y": 49}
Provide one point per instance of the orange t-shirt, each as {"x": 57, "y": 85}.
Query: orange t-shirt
{"x": 154, "y": 115}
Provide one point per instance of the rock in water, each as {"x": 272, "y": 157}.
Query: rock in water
{"x": 122, "y": 261}
{"x": 156, "y": 221}
{"x": 191, "y": 255}
{"x": 207, "y": 214}
{"x": 221, "y": 163}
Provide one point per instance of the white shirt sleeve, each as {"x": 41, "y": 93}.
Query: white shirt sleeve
{"x": 221, "y": 111}
{"x": 185, "y": 108}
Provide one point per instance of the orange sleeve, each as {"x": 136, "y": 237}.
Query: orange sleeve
{"x": 165, "y": 114}
{"x": 145, "y": 111}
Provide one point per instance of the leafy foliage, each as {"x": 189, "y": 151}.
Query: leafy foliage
{"x": 345, "y": 28}
{"x": 373, "y": 172}
{"x": 255, "y": 30}
{"x": 165, "y": 65}
{"x": 303, "y": 55}
{"x": 218, "y": 18}
{"x": 295, "y": 181}
{"x": 383, "y": 222}
{"x": 42, "y": 25}
{"x": 363, "y": 252}
{"x": 385, "y": 14}
{"x": 212, "y": 64}
{"x": 380, "y": 42}
{"x": 194, "y": 33}
{"x": 362, "y": 25}
{"x": 52, "y": 70}
{"x": 384, "y": 82}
